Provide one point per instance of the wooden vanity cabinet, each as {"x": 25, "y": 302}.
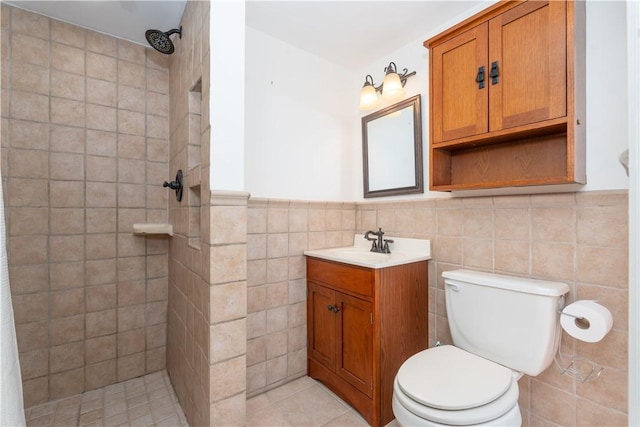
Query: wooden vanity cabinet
{"x": 362, "y": 324}
{"x": 507, "y": 97}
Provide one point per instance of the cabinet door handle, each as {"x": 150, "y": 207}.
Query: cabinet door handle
{"x": 333, "y": 308}
{"x": 494, "y": 73}
{"x": 480, "y": 77}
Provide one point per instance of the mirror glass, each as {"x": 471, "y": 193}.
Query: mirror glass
{"x": 392, "y": 150}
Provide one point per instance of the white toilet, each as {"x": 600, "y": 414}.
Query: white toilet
{"x": 502, "y": 327}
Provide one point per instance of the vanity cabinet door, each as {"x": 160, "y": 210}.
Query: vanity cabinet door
{"x": 321, "y": 327}
{"x": 354, "y": 342}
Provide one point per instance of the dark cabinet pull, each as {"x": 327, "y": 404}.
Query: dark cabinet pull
{"x": 494, "y": 73}
{"x": 480, "y": 77}
{"x": 333, "y": 308}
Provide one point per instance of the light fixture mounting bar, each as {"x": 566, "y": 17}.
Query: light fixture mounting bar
{"x": 403, "y": 78}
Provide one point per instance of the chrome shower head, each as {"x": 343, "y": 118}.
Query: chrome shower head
{"x": 160, "y": 40}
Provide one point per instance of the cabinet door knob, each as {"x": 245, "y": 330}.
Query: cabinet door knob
{"x": 333, "y": 308}
{"x": 494, "y": 73}
{"x": 480, "y": 77}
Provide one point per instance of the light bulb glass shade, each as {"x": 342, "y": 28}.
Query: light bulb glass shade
{"x": 368, "y": 97}
{"x": 392, "y": 87}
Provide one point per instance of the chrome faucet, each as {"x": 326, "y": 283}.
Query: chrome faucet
{"x": 378, "y": 243}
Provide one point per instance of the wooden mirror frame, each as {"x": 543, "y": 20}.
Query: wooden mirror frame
{"x": 417, "y": 144}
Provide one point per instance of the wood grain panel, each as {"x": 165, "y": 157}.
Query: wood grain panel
{"x": 404, "y": 332}
{"x": 355, "y": 342}
{"x": 460, "y": 107}
{"x": 529, "y": 43}
{"x": 341, "y": 276}
{"x": 321, "y": 330}
{"x": 528, "y": 160}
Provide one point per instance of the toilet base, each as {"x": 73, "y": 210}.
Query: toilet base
{"x": 407, "y": 418}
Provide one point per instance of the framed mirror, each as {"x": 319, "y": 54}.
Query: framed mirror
{"x": 392, "y": 150}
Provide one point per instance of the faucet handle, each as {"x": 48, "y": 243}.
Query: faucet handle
{"x": 386, "y": 249}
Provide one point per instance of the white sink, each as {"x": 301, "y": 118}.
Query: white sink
{"x": 403, "y": 251}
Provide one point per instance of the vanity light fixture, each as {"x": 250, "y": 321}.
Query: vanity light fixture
{"x": 392, "y": 88}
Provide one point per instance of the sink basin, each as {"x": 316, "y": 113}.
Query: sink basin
{"x": 358, "y": 254}
{"x": 403, "y": 251}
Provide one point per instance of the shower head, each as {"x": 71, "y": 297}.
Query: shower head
{"x": 160, "y": 40}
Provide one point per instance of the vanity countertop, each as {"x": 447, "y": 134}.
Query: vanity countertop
{"x": 403, "y": 251}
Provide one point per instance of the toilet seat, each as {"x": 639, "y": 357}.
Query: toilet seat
{"x": 451, "y": 386}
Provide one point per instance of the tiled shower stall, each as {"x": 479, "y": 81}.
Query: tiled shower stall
{"x": 84, "y": 145}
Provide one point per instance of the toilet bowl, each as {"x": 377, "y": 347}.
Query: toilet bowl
{"x": 447, "y": 386}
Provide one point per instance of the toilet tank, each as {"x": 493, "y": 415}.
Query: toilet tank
{"x": 510, "y": 320}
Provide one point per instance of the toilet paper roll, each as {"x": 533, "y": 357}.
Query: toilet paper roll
{"x": 596, "y": 320}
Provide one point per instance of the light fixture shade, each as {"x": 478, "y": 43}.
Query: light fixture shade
{"x": 368, "y": 97}
{"x": 392, "y": 87}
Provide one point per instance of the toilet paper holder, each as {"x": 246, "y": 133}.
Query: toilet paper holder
{"x": 580, "y": 368}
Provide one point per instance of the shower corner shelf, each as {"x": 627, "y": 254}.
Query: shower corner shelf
{"x": 153, "y": 229}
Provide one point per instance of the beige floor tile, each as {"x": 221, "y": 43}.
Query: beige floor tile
{"x": 348, "y": 419}
{"x": 266, "y": 417}
{"x": 151, "y": 400}
{"x": 311, "y": 407}
{"x": 290, "y": 388}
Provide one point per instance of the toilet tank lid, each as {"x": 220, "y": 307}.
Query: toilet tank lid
{"x": 518, "y": 284}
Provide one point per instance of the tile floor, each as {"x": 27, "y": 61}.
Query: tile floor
{"x": 302, "y": 402}
{"x": 151, "y": 401}
{"x": 140, "y": 402}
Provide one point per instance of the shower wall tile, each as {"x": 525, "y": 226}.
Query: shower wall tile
{"x": 68, "y": 34}
{"x": 89, "y": 296}
{"x": 29, "y": 135}
{"x": 102, "y": 67}
{"x": 67, "y": 58}
{"x": 30, "y": 78}
{"x": 31, "y": 50}
{"x": 29, "y": 23}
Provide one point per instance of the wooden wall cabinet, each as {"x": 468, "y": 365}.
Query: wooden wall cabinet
{"x": 507, "y": 98}
{"x": 362, "y": 324}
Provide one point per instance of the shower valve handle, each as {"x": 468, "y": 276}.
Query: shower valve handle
{"x": 176, "y": 185}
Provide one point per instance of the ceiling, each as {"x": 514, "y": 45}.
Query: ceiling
{"x": 123, "y": 19}
{"x": 350, "y": 33}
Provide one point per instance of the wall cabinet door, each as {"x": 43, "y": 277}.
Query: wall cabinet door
{"x": 460, "y": 104}
{"x": 528, "y": 46}
{"x": 525, "y": 49}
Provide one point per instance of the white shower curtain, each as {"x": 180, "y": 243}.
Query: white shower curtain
{"x": 11, "y": 406}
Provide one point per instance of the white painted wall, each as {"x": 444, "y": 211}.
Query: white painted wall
{"x": 303, "y": 136}
{"x": 633, "y": 31}
{"x": 298, "y": 126}
{"x": 227, "y": 106}
{"x": 607, "y": 100}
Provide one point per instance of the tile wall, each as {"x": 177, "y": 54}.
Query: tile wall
{"x": 84, "y": 151}
{"x": 206, "y": 345}
{"x": 279, "y": 231}
{"x": 577, "y": 238}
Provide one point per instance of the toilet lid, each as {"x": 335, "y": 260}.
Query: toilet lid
{"x": 449, "y": 378}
